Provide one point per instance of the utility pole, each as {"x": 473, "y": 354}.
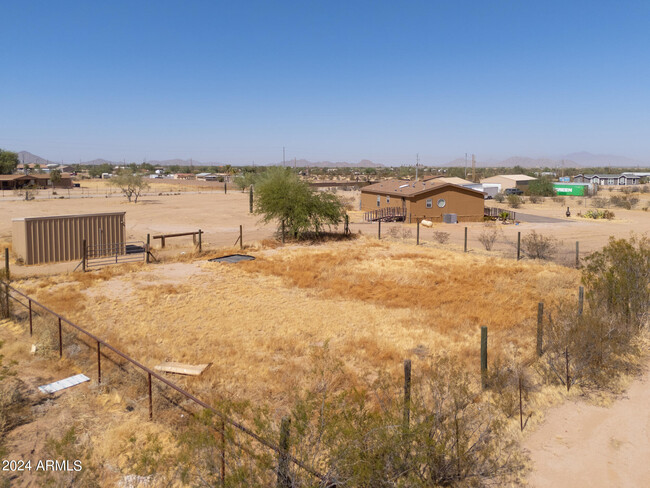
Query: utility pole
{"x": 465, "y": 165}
{"x": 417, "y": 164}
{"x": 474, "y": 168}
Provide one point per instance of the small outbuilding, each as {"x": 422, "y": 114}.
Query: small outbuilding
{"x": 510, "y": 181}
{"x": 60, "y": 238}
{"x": 418, "y": 200}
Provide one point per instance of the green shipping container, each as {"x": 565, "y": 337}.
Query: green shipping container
{"x": 571, "y": 189}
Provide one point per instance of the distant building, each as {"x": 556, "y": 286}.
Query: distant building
{"x": 14, "y": 182}
{"x": 609, "y": 179}
{"x": 510, "y": 181}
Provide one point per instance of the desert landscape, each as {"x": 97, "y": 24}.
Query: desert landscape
{"x": 264, "y": 325}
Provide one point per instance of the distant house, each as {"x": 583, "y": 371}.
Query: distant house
{"x": 13, "y": 182}
{"x": 609, "y": 179}
{"x": 510, "y": 181}
{"x": 184, "y": 176}
{"x": 417, "y": 200}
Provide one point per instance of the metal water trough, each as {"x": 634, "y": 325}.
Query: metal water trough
{"x": 232, "y": 258}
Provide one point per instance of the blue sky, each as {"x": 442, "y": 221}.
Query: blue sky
{"x": 330, "y": 80}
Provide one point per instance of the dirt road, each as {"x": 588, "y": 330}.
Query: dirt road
{"x": 586, "y": 445}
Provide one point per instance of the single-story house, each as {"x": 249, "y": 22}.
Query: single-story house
{"x": 510, "y": 181}
{"x": 608, "y": 179}
{"x": 430, "y": 199}
{"x": 13, "y": 182}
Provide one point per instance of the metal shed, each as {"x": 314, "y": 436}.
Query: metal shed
{"x": 60, "y": 238}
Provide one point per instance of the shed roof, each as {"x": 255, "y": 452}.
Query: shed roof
{"x": 411, "y": 188}
{"x": 515, "y": 177}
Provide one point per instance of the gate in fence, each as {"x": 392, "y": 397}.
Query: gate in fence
{"x": 116, "y": 253}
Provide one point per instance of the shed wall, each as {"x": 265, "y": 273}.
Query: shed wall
{"x": 55, "y": 239}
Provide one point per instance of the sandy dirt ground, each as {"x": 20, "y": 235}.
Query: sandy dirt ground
{"x": 219, "y": 216}
{"x": 588, "y": 445}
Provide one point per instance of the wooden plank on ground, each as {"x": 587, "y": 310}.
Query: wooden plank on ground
{"x": 180, "y": 368}
{"x": 64, "y": 383}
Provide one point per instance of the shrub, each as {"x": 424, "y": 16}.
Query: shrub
{"x": 489, "y": 236}
{"x": 541, "y": 187}
{"x": 618, "y": 278}
{"x": 441, "y": 237}
{"x": 538, "y": 246}
{"x": 499, "y": 197}
{"x": 514, "y": 201}
{"x": 560, "y": 200}
{"x": 600, "y": 202}
{"x": 535, "y": 199}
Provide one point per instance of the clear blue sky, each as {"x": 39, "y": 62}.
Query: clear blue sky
{"x": 330, "y": 80}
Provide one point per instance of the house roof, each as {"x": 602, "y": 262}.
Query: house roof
{"x": 406, "y": 188}
{"x": 603, "y": 176}
{"x": 455, "y": 180}
{"x": 514, "y": 177}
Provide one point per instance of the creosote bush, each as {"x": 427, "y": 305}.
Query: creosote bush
{"x": 489, "y": 236}
{"x": 538, "y": 246}
{"x": 514, "y": 201}
{"x": 440, "y": 236}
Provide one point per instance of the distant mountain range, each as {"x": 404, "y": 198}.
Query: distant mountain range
{"x": 573, "y": 160}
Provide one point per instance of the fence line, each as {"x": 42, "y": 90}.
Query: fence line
{"x": 151, "y": 374}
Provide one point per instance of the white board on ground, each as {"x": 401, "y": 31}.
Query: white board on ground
{"x": 64, "y": 383}
{"x": 180, "y": 368}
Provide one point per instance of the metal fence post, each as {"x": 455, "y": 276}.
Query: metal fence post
{"x": 418, "y": 234}
{"x": 99, "y": 365}
{"x": 60, "y": 340}
{"x": 223, "y": 452}
{"x": 225, "y": 187}
{"x": 465, "y": 248}
{"x": 147, "y": 259}
{"x": 250, "y": 199}
{"x": 283, "y": 232}
{"x": 84, "y": 255}
{"x": 577, "y": 254}
{"x": 484, "y": 366}
{"x": 581, "y": 299}
{"x": 379, "y": 229}
{"x": 284, "y": 479}
{"x": 518, "y": 245}
{"x": 30, "y": 317}
{"x": 7, "y": 273}
{"x": 200, "y": 241}
{"x": 150, "y": 398}
{"x": 407, "y": 395}
{"x": 540, "y": 328}
{"x": 241, "y": 237}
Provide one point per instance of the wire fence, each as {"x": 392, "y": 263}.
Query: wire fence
{"x": 240, "y": 456}
{"x": 488, "y": 239}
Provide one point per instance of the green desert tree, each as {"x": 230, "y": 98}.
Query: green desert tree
{"x": 8, "y": 162}
{"x": 131, "y": 184}
{"x": 280, "y": 197}
{"x": 55, "y": 176}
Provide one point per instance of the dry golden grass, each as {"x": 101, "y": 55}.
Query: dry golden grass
{"x": 261, "y": 322}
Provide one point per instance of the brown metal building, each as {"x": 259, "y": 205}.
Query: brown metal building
{"x": 60, "y": 238}
{"x": 424, "y": 200}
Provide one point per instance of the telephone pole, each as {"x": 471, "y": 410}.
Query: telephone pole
{"x": 417, "y": 164}
{"x": 474, "y": 168}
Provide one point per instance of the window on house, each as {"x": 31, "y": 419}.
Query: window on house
{"x": 429, "y": 202}
{"x": 378, "y": 201}
{"x": 387, "y": 199}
